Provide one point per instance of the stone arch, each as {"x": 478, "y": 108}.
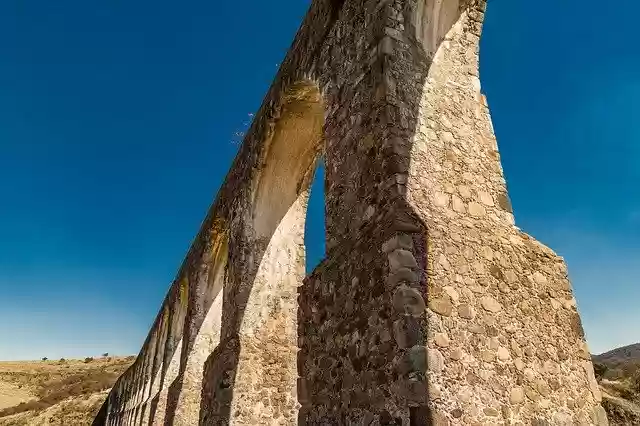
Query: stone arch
{"x": 268, "y": 329}
{"x": 207, "y": 314}
{"x": 172, "y": 352}
{"x": 289, "y": 157}
{"x": 280, "y": 197}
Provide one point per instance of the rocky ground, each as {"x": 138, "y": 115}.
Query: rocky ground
{"x": 620, "y": 411}
{"x": 60, "y": 392}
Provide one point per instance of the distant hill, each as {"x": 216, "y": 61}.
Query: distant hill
{"x": 618, "y": 372}
{"x": 57, "y": 392}
{"x": 619, "y": 356}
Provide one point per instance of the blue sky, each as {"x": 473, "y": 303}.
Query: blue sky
{"x": 118, "y": 122}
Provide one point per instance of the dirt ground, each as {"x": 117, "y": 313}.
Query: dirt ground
{"x": 11, "y": 395}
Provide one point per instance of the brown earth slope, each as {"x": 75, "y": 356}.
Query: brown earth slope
{"x": 62, "y": 392}
{"x": 618, "y": 372}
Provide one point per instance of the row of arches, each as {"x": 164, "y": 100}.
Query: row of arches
{"x": 168, "y": 378}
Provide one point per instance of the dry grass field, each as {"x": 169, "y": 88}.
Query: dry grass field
{"x": 56, "y": 392}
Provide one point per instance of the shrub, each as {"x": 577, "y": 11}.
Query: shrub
{"x": 45, "y": 358}
{"x": 635, "y": 382}
{"x": 599, "y": 369}
{"x": 88, "y": 359}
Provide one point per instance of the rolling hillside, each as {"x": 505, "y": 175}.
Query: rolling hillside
{"x": 60, "y": 392}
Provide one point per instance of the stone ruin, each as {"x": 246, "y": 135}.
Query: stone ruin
{"x": 430, "y": 307}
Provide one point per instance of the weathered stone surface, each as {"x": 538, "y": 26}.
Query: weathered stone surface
{"x": 401, "y": 258}
{"x": 401, "y": 241}
{"x": 466, "y": 312}
{"x": 491, "y": 412}
{"x": 417, "y": 214}
{"x": 600, "y": 416}
{"x": 402, "y": 275}
{"x": 476, "y": 209}
{"x": 408, "y": 301}
{"x": 490, "y": 304}
{"x": 441, "y": 306}
{"x": 441, "y": 340}
{"x": 435, "y": 361}
{"x": 503, "y": 353}
{"x": 516, "y": 396}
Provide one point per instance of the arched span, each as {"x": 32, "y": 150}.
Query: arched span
{"x": 290, "y": 159}
{"x": 268, "y": 333}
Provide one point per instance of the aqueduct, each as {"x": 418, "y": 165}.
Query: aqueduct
{"x": 430, "y": 308}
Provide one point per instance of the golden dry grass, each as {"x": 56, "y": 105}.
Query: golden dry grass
{"x": 62, "y": 392}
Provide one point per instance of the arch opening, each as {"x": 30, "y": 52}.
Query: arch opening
{"x": 315, "y": 224}
{"x": 281, "y": 202}
{"x": 291, "y": 156}
{"x": 279, "y": 210}
{"x": 211, "y": 283}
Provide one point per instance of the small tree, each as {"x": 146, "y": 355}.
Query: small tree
{"x": 106, "y": 354}
{"x": 45, "y": 358}
{"x": 88, "y": 359}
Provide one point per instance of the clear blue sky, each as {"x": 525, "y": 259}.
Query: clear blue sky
{"x": 117, "y": 123}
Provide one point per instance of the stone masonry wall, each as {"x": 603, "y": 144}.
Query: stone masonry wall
{"x": 430, "y": 308}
